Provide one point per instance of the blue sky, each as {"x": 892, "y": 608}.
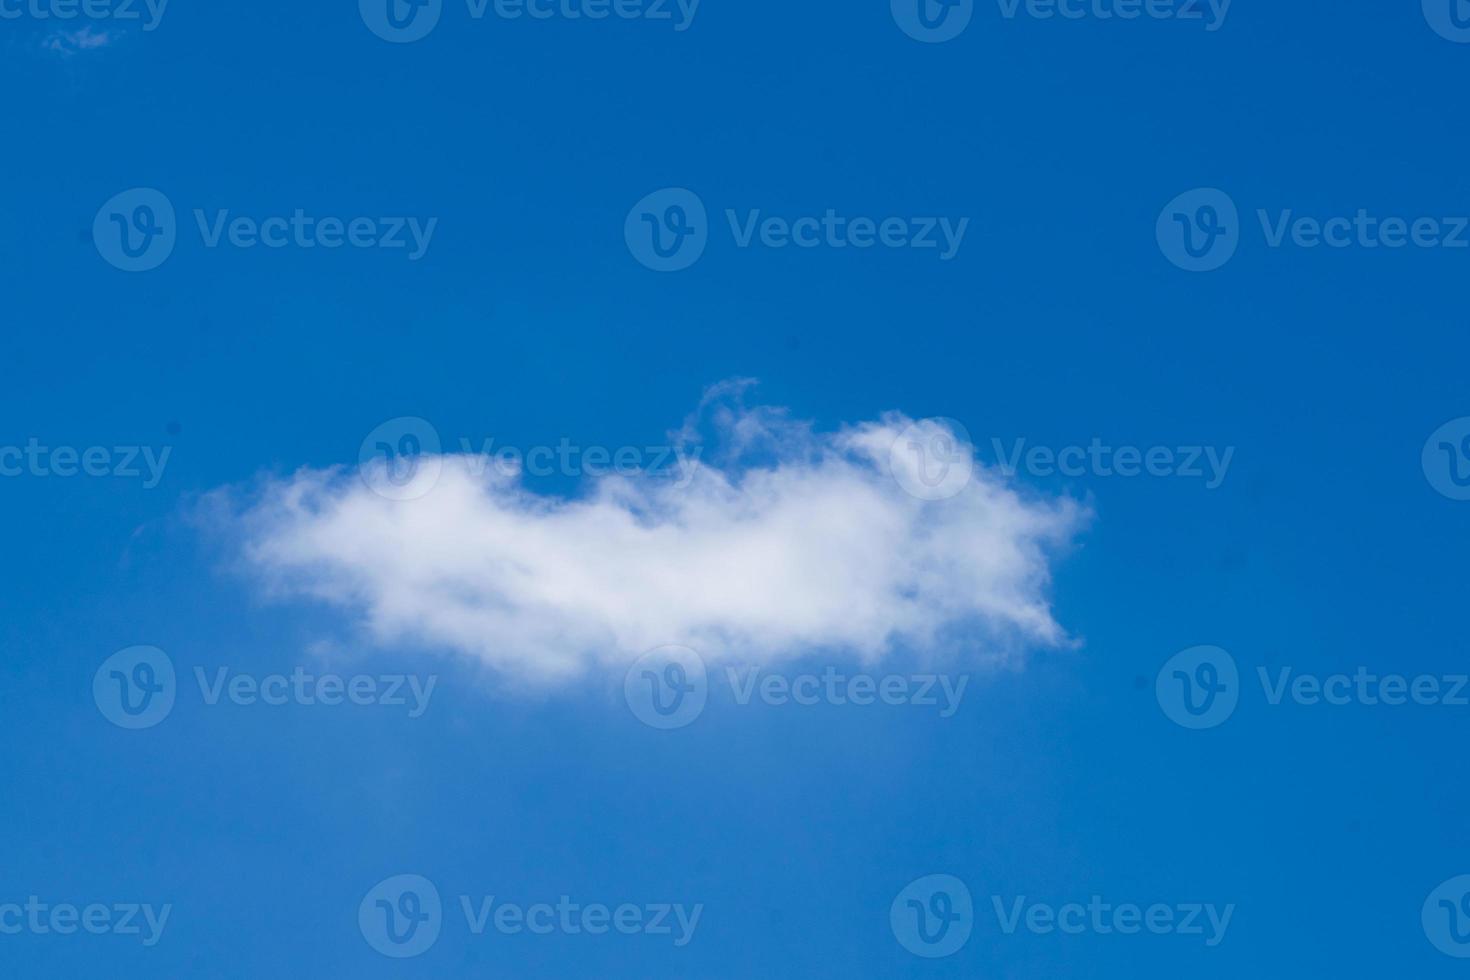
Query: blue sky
{"x": 232, "y": 390}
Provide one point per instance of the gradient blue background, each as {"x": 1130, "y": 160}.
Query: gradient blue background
{"x": 529, "y": 321}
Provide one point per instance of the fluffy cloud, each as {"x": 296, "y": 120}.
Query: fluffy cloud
{"x": 784, "y": 541}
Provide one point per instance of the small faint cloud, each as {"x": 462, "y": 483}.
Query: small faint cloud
{"x": 84, "y": 39}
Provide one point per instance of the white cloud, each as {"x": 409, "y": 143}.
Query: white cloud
{"x": 84, "y": 39}
{"x": 787, "y": 541}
